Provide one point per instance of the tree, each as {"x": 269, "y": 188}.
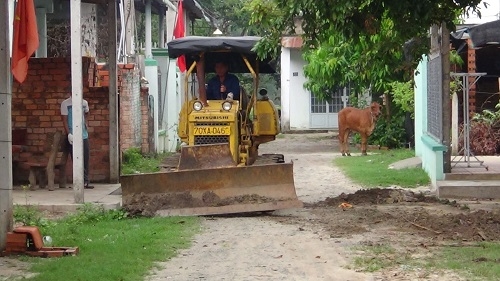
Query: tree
{"x": 229, "y": 16}
{"x": 370, "y": 42}
{"x": 366, "y": 62}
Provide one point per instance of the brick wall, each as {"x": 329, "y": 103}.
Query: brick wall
{"x": 136, "y": 120}
{"x": 36, "y": 106}
{"x": 130, "y": 107}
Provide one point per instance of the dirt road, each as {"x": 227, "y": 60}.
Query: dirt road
{"x": 261, "y": 247}
{"x": 322, "y": 241}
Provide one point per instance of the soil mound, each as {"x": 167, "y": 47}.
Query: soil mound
{"x": 378, "y": 196}
{"x": 406, "y": 211}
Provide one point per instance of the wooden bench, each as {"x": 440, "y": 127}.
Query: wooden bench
{"x": 43, "y": 171}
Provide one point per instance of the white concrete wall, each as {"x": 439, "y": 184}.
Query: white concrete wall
{"x": 174, "y": 101}
{"x": 300, "y": 98}
{"x": 285, "y": 89}
{"x": 420, "y": 100}
{"x": 427, "y": 148}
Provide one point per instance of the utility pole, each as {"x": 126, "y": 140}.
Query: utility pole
{"x": 6, "y": 207}
{"x": 114, "y": 140}
{"x": 148, "y": 29}
{"x": 77, "y": 98}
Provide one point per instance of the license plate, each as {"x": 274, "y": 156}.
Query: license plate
{"x": 212, "y": 131}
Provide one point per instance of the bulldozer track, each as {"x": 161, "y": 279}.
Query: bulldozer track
{"x": 170, "y": 163}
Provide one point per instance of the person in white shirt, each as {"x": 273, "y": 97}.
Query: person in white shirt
{"x": 67, "y": 116}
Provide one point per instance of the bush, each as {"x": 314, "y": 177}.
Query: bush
{"x": 134, "y": 162}
{"x": 29, "y": 216}
{"x": 390, "y": 133}
{"x": 484, "y": 135}
{"x": 132, "y": 156}
{"x": 91, "y": 213}
{"x": 484, "y": 138}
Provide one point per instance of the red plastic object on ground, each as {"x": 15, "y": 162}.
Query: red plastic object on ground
{"x": 28, "y": 240}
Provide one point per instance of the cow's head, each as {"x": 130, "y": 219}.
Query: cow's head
{"x": 375, "y": 109}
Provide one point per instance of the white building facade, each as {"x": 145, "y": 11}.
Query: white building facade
{"x": 301, "y": 110}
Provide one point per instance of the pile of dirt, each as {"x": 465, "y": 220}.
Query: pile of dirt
{"x": 426, "y": 220}
{"x": 479, "y": 225}
{"x": 403, "y": 211}
{"x": 378, "y": 196}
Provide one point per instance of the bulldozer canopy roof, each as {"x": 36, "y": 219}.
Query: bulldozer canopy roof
{"x": 226, "y": 49}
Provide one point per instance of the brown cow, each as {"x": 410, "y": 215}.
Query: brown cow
{"x": 359, "y": 120}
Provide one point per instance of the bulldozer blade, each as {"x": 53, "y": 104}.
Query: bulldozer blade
{"x": 211, "y": 191}
{"x": 204, "y": 156}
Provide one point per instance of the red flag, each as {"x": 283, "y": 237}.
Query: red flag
{"x": 25, "y": 40}
{"x": 179, "y": 31}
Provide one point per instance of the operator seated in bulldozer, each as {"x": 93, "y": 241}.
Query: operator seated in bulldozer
{"x": 223, "y": 83}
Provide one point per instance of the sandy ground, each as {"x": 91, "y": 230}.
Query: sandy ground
{"x": 320, "y": 241}
{"x": 254, "y": 248}
{"x": 261, "y": 248}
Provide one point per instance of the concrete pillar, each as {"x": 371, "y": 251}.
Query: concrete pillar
{"x": 114, "y": 146}
{"x": 285, "y": 89}
{"x": 151, "y": 73}
{"x": 6, "y": 223}
{"x": 148, "y": 29}
{"x": 11, "y": 26}
{"x": 77, "y": 98}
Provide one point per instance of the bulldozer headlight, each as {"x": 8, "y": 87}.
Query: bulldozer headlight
{"x": 227, "y": 106}
{"x": 197, "y": 105}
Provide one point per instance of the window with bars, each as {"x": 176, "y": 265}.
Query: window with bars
{"x": 317, "y": 105}
{"x": 334, "y": 104}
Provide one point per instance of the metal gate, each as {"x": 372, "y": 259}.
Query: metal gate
{"x": 324, "y": 113}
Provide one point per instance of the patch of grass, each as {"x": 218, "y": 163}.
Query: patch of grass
{"x": 480, "y": 262}
{"x": 373, "y": 171}
{"x": 375, "y": 258}
{"x": 112, "y": 246}
{"x": 29, "y": 215}
{"x": 136, "y": 163}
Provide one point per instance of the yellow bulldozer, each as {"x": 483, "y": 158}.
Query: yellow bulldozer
{"x": 218, "y": 169}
